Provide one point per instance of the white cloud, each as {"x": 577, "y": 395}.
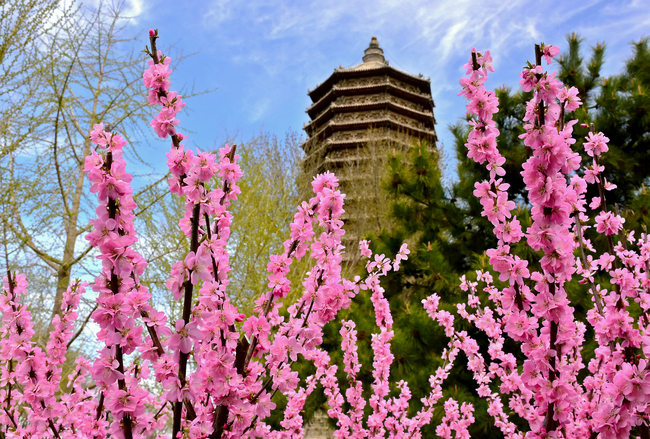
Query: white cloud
{"x": 258, "y": 108}
{"x": 300, "y": 42}
{"x": 133, "y": 10}
{"x": 217, "y": 12}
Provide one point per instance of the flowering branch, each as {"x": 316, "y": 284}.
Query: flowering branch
{"x": 241, "y": 363}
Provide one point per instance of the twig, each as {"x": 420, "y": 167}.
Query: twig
{"x": 100, "y": 406}
{"x": 538, "y": 62}
{"x": 83, "y": 326}
{"x": 475, "y": 64}
{"x": 119, "y": 356}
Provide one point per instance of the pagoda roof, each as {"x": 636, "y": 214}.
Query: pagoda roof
{"x": 423, "y": 116}
{"x": 323, "y": 148}
{"x": 331, "y": 126}
{"x": 374, "y": 64}
{"x": 340, "y": 90}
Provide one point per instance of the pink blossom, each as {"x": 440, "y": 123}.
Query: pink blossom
{"x": 164, "y": 124}
{"x": 157, "y": 76}
{"x": 608, "y": 223}
{"x": 570, "y": 99}
{"x": 237, "y": 369}
{"x": 198, "y": 265}
{"x": 596, "y": 144}
{"x": 549, "y": 51}
{"x": 529, "y": 78}
{"x": 182, "y": 339}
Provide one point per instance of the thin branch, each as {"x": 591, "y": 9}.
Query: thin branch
{"x": 109, "y": 106}
{"x": 144, "y": 209}
{"x": 154, "y": 184}
{"x": 84, "y": 229}
{"x": 83, "y": 326}
{"x": 75, "y": 122}
{"x": 57, "y": 166}
{"x": 80, "y": 257}
{"x": 72, "y": 145}
{"x": 54, "y": 263}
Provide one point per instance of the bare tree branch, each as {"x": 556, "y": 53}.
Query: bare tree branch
{"x": 81, "y": 256}
{"x": 83, "y": 326}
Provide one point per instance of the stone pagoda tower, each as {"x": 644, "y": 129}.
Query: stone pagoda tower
{"x": 358, "y": 116}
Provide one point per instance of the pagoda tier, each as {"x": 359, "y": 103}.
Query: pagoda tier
{"x": 371, "y": 103}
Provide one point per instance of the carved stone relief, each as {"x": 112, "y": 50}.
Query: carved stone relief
{"x": 405, "y": 103}
{"x": 361, "y": 82}
{"x": 362, "y": 100}
{"x": 404, "y": 85}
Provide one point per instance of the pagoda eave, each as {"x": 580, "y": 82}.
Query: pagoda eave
{"x": 383, "y": 87}
{"x": 425, "y": 117}
{"x": 340, "y": 74}
{"x": 326, "y": 148}
{"x": 331, "y": 127}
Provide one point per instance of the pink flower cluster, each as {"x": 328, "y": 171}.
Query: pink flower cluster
{"x": 238, "y": 372}
{"x": 219, "y": 370}
{"x": 29, "y": 376}
{"x": 389, "y": 415}
{"x": 123, "y": 303}
{"x": 533, "y": 309}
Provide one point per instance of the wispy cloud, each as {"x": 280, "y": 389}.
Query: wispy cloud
{"x": 134, "y": 10}
{"x": 268, "y": 54}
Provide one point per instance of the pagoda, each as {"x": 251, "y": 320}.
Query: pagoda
{"x": 370, "y": 104}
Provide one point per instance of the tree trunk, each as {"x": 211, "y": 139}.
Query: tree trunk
{"x": 63, "y": 274}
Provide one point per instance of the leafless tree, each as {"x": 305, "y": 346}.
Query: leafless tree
{"x": 84, "y": 72}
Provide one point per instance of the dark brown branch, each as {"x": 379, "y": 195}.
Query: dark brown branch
{"x": 518, "y": 299}
{"x": 119, "y": 356}
{"x": 154, "y": 49}
{"x": 11, "y": 365}
{"x": 100, "y": 406}
{"x": 475, "y": 64}
{"x": 255, "y": 418}
{"x": 156, "y": 416}
{"x": 209, "y": 232}
{"x": 189, "y": 288}
{"x": 551, "y": 424}
{"x": 585, "y": 264}
{"x": 154, "y": 55}
{"x": 11, "y": 416}
{"x": 644, "y": 431}
{"x": 538, "y": 61}
{"x": 187, "y": 310}
{"x": 51, "y": 424}
{"x": 222, "y": 411}
{"x": 153, "y": 334}
{"x": 220, "y": 418}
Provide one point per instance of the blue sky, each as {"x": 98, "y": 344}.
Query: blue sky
{"x": 265, "y": 55}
